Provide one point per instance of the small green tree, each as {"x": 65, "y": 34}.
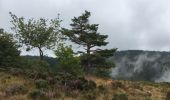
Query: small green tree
{"x": 41, "y": 33}
{"x": 85, "y": 34}
{"x": 67, "y": 62}
{"x": 9, "y": 52}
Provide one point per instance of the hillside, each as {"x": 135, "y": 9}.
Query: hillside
{"x": 136, "y": 65}
{"x": 14, "y": 87}
{"x": 141, "y": 65}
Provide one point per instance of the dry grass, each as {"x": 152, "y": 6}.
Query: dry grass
{"x": 135, "y": 90}
{"x": 105, "y": 91}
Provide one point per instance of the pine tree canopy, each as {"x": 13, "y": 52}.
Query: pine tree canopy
{"x": 85, "y": 34}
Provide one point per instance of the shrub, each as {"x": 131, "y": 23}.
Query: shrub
{"x": 64, "y": 78}
{"x": 90, "y": 95}
{"x": 84, "y": 85}
{"x": 116, "y": 85}
{"x": 148, "y": 98}
{"x": 34, "y": 68}
{"x": 9, "y": 53}
{"x": 137, "y": 86}
{"x": 72, "y": 82}
{"x": 103, "y": 72}
{"x": 67, "y": 62}
{"x": 41, "y": 84}
{"x": 168, "y": 95}
{"x": 16, "y": 71}
{"x": 38, "y": 95}
{"x": 36, "y": 65}
{"x": 79, "y": 83}
{"x": 16, "y": 89}
{"x": 120, "y": 96}
{"x": 91, "y": 85}
{"x": 102, "y": 89}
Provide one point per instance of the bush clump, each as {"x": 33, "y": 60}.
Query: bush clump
{"x": 42, "y": 84}
{"x": 75, "y": 83}
{"x": 116, "y": 85}
{"x": 37, "y": 95}
{"x": 16, "y": 89}
{"x": 35, "y": 68}
{"x": 120, "y": 96}
{"x": 91, "y": 85}
{"x": 90, "y": 95}
{"x": 9, "y": 53}
{"x": 168, "y": 95}
{"x": 137, "y": 86}
{"x": 67, "y": 62}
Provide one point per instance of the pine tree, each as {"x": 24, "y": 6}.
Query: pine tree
{"x": 85, "y": 34}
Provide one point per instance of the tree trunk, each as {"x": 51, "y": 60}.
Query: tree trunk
{"x": 41, "y": 53}
{"x": 88, "y": 57}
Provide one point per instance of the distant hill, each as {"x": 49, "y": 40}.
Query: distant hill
{"x": 52, "y": 61}
{"x": 141, "y": 65}
{"x": 135, "y": 65}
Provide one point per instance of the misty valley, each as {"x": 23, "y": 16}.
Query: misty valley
{"x": 141, "y": 65}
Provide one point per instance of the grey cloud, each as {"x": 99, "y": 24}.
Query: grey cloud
{"x": 130, "y": 24}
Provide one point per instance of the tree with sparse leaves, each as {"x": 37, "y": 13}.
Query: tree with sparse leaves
{"x": 41, "y": 33}
{"x": 85, "y": 34}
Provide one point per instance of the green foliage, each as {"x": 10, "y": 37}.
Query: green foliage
{"x": 100, "y": 66}
{"x": 41, "y": 84}
{"x": 85, "y": 34}
{"x": 75, "y": 83}
{"x": 67, "y": 62}
{"x": 34, "y": 68}
{"x": 85, "y": 85}
{"x": 102, "y": 72}
{"x": 35, "y": 94}
{"x": 91, "y": 85}
{"x": 167, "y": 95}
{"x": 50, "y": 60}
{"x": 38, "y": 95}
{"x": 120, "y": 96}
{"x": 16, "y": 89}
{"x": 41, "y": 33}
{"x": 96, "y": 60}
{"x": 90, "y": 95}
{"x": 9, "y": 53}
{"x": 34, "y": 65}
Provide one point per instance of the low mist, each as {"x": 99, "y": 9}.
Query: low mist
{"x": 142, "y": 66}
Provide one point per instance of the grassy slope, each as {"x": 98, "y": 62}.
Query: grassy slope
{"x": 134, "y": 90}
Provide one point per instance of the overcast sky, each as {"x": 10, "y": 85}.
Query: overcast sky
{"x": 130, "y": 24}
